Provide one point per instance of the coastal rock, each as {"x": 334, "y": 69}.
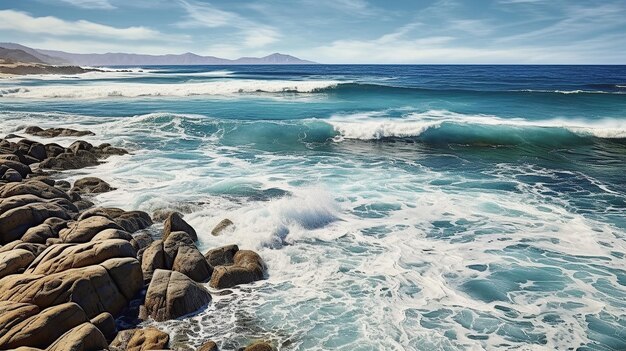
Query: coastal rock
{"x": 222, "y": 226}
{"x": 69, "y": 160}
{"x": 141, "y": 241}
{"x": 56, "y": 132}
{"x": 38, "y": 151}
{"x": 48, "y": 229}
{"x": 140, "y": 340}
{"x": 209, "y": 345}
{"x": 82, "y": 205}
{"x": 172, "y": 295}
{"x": 106, "y": 324}
{"x": 153, "y": 258}
{"x": 181, "y": 255}
{"x": 80, "y": 145}
{"x": 258, "y": 346}
{"x": 130, "y": 221}
{"x": 85, "y": 337}
{"x": 35, "y": 249}
{"x": 12, "y": 202}
{"x": 106, "y": 287}
{"x": 62, "y": 257}
{"x": 54, "y": 150}
{"x": 175, "y": 223}
{"x": 91, "y": 185}
{"x": 41, "y": 330}
{"x": 14, "y": 261}
{"x": 113, "y": 234}
{"x": 21, "y": 168}
{"x": 13, "y": 313}
{"x": 247, "y": 268}
{"x": 11, "y": 176}
{"x": 222, "y": 256}
{"x": 32, "y": 187}
{"x": 133, "y": 221}
{"x": 15, "y": 222}
{"x": 84, "y": 230}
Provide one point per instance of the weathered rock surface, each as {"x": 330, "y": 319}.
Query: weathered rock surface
{"x": 48, "y": 229}
{"x": 222, "y": 256}
{"x": 182, "y": 255}
{"x": 69, "y": 160}
{"x": 247, "y": 267}
{"x": 14, "y": 261}
{"x": 85, "y": 337}
{"x": 84, "y": 230}
{"x": 35, "y": 249}
{"x": 15, "y": 222}
{"x": 140, "y": 339}
{"x": 175, "y": 223}
{"x": 41, "y": 330}
{"x": 56, "y": 132}
{"x": 222, "y": 226}
{"x": 106, "y": 287}
{"x": 172, "y": 295}
{"x": 91, "y": 185}
{"x": 153, "y": 258}
{"x": 130, "y": 221}
{"x": 106, "y": 324}
{"x": 32, "y": 187}
{"x": 18, "y": 166}
{"x": 13, "y": 313}
{"x": 61, "y": 257}
{"x": 209, "y": 345}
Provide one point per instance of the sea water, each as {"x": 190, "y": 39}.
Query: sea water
{"x": 396, "y": 207}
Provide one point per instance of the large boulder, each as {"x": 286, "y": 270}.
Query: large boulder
{"x": 56, "y": 132}
{"x": 32, "y": 187}
{"x": 222, "y": 227}
{"x": 61, "y": 257}
{"x": 140, "y": 340}
{"x": 50, "y": 228}
{"x": 172, "y": 295}
{"x": 91, "y": 185}
{"x": 247, "y": 268}
{"x": 13, "y": 313}
{"x": 42, "y": 329}
{"x": 84, "y": 230}
{"x": 19, "y": 167}
{"x": 107, "y": 287}
{"x": 35, "y": 249}
{"x": 130, "y": 221}
{"x": 11, "y": 176}
{"x": 153, "y": 258}
{"x": 208, "y": 345}
{"x": 69, "y": 160}
{"x": 14, "y": 261}
{"x": 85, "y": 337}
{"x": 175, "y": 223}
{"x": 106, "y": 324}
{"x": 15, "y": 222}
{"x": 182, "y": 255}
{"x": 222, "y": 256}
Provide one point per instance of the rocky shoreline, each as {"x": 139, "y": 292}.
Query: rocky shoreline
{"x": 70, "y": 272}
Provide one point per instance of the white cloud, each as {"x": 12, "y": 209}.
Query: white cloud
{"x": 52, "y": 26}
{"x": 91, "y": 4}
{"x": 205, "y": 15}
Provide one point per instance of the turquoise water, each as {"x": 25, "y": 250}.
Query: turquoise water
{"x": 397, "y": 207}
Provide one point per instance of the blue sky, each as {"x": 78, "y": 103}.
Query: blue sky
{"x": 330, "y": 31}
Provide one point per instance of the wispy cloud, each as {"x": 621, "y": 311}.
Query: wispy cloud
{"x": 52, "y": 26}
{"x": 91, "y": 4}
{"x": 205, "y": 15}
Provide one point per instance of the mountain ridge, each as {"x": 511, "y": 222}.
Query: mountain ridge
{"x": 56, "y": 57}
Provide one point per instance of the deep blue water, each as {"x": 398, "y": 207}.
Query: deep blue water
{"x": 397, "y": 207}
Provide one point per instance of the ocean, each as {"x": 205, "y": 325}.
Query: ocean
{"x": 397, "y": 207}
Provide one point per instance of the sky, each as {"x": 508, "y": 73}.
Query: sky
{"x": 329, "y": 31}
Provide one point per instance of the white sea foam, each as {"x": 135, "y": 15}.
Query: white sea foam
{"x": 130, "y": 90}
{"x": 374, "y": 126}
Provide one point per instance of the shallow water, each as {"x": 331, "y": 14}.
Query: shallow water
{"x": 397, "y": 207}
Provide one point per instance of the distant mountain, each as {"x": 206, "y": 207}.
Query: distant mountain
{"x": 35, "y": 53}
{"x": 123, "y": 59}
{"x": 15, "y": 55}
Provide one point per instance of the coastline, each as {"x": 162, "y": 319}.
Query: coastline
{"x": 13, "y": 69}
{"x": 72, "y": 273}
